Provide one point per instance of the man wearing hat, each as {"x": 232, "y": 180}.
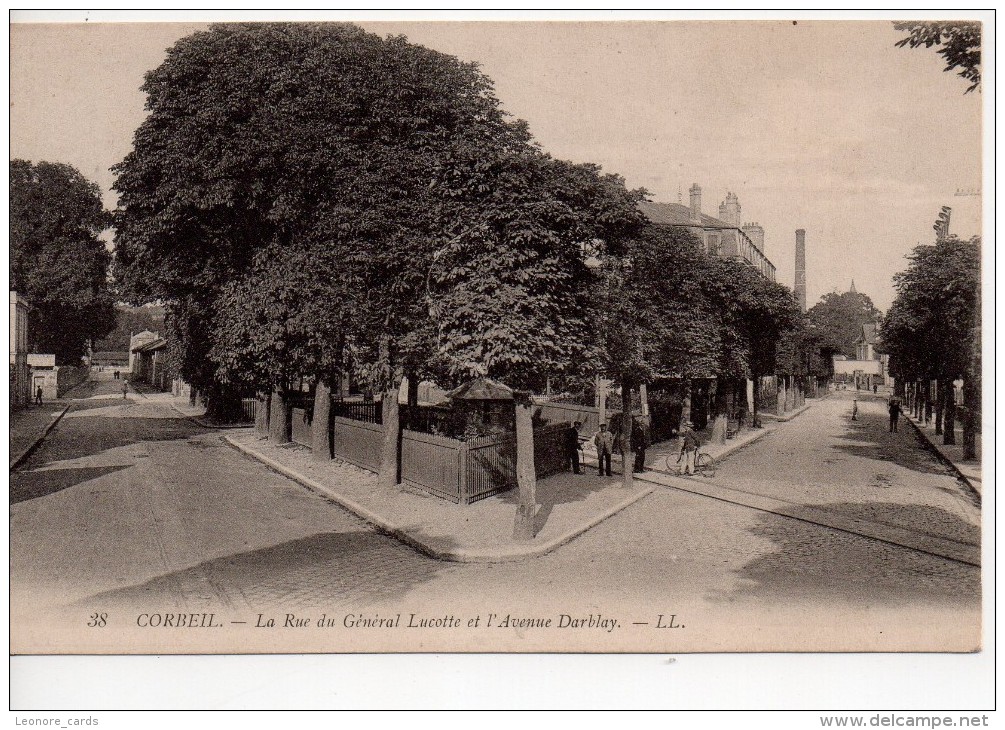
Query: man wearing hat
{"x": 605, "y": 446}
{"x": 689, "y": 444}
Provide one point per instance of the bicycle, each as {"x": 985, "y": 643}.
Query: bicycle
{"x": 704, "y": 465}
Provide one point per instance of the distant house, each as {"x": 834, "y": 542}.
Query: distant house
{"x": 105, "y": 359}
{"x": 869, "y": 368}
{"x": 136, "y": 341}
{"x": 20, "y": 372}
{"x": 722, "y": 236}
{"x": 149, "y": 363}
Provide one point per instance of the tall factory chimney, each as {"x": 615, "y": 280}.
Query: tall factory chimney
{"x": 801, "y": 269}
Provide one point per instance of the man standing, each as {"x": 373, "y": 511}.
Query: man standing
{"x": 689, "y": 448}
{"x": 125, "y": 387}
{"x": 572, "y": 447}
{"x": 640, "y": 442}
{"x": 605, "y": 445}
{"x": 894, "y": 414}
{"x": 38, "y": 395}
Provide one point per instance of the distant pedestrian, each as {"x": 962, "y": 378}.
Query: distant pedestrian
{"x": 894, "y": 414}
{"x": 38, "y": 395}
{"x": 640, "y": 442}
{"x": 604, "y": 441}
{"x": 572, "y": 447}
{"x": 125, "y": 387}
{"x": 854, "y": 409}
{"x": 875, "y": 388}
{"x": 689, "y": 448}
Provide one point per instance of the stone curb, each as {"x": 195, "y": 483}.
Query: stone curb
{"x": 788, "y": 416}
{"x": 51, "y": 425}
{"x": 205, "y": 424}
{"x": 933, "y": 447}
{"x": 387, "y": 527}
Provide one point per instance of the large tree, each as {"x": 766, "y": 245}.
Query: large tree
{"x": 838, "y": 319}
{"x": 933, "y": 329}
{"x": 958, "y": 42}
{"x": 286, "y": 138}
{"x": 57, "y": 259}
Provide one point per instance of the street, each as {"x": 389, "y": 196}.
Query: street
{"x": 127, "y": 508}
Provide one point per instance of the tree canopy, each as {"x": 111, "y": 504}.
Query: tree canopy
{"x": 930, "y": 328}
{"x": 266, "y": 142}
{"x": 837, "y": 320}
{"x": 958, "y": 42}
{"x": 58, "y": 260}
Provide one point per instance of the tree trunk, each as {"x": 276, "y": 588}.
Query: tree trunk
{"x": 262, "y": 415}
{"x": 720, "y": 397}
{"x": 949, "y": 416}
{"x": 972, "y": 394}
{"x": 755, "y": 418}
{"x": 390, "y": 454}
{"x": 627, "y": 457}
{"x": 280, "y": 418}
{"x": 971, "y": 399}
{"x": 926, "y": 394}
{"x": 524, "y": 527}
{"x": 940, "y": 405}
{"x": 321, "y": 425}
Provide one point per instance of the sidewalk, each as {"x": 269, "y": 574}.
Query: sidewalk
{"x": 29, "y": 426}
{"x": 477, "y": 533}
{"x": 969, "y": 470}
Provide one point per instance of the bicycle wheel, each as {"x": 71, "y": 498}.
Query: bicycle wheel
{"x": 673, "y": 464}
{"x": 706, "y": 465}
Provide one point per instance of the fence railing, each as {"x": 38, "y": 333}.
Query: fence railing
{"x": 365, "y": 411}
{"x": 249, "y": 408}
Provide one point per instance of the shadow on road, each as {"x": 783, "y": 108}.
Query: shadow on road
{"x": 904, "y": 448}
{"x": 810, "y": 560}
{"x": 335, "y": 569}
{"x": 81, "y": 436}
{"x": 562, "y": 488}
{"x": 35, "y": 484}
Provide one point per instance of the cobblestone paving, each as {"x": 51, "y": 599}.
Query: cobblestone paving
{"x": 128, "y": 504}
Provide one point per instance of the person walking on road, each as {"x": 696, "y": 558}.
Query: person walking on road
{"x": 125, "y": 388}
{"x": 604, "y": 441}
{"x": 572, "y": 447}
{"x": 689, "y": 448}
{"x": 38, "y": 396}
{"x": 894, "y": 414}
{"x": 854, "y": 409}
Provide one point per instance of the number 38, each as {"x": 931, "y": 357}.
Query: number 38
{"x": 98, "y": 620}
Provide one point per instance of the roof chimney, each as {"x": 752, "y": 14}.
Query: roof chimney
{"x": 696, "y": 203}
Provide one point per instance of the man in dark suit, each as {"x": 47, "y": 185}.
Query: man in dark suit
{"x": 572, "y": 447}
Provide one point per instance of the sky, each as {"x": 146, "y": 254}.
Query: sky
{"x": 816, "y": 124}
